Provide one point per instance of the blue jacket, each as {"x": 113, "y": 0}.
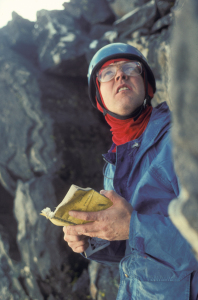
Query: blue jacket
{"x": 156, "y": 262}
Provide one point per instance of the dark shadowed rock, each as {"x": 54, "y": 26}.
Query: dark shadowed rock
{"x": 93, "y": 11}
{"x": 142, "y": 16}
{"x": 18, "y": 33}
{"x": 104, "y": 281}
{"x": 98, "y": 30}
{"x": 8, "y": 233}
{"x": 81, "y": 286}
{"x": 164, "y": 6}
{"x": 162, "y": 23}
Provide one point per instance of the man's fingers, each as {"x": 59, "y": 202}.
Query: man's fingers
{"x": 73, "y": 230}
{"x": 74, "y": 245}
{"x": 87, "y": 216}
{"x": 79, "y": 247}
{"x": 74, "y": 238}
{"x": 84, "y": 229}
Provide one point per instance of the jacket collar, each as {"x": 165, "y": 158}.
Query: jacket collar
{"x": 159, "y": 123}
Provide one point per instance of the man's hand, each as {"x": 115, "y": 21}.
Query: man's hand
{"x": 78, "y": 243}
{"x": 111, "y": 224}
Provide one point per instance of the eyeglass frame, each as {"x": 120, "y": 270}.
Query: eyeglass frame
{"x": 118, "y": 66}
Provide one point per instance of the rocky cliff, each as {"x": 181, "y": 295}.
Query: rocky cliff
{"x": 51, "y": 136}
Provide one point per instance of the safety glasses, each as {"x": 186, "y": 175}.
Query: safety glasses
{"x": 132, "y": 68}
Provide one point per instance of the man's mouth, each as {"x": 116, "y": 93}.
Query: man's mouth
{"x": 123, "y": 88}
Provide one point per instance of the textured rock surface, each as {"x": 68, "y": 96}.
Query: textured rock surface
{"x": 123, "y": 7}
{"x": 164, "y": 6}
{"x": 9, "y": 278}
{"x": 92, "y": 11}
{"x": 142, "y": 16}
{"x": 101, "y": 278}
{"x": 162, "y": 23}
{"x": 185, "y": 115}
{"x": 62, "y": 41}
{"x": 51, "y": 137}
{"x": 19, "y": 35}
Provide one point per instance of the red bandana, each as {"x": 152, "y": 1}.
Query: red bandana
{"x": 124, "y": 131}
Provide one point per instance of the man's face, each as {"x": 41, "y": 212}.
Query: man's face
{"x": 123, "y": 102}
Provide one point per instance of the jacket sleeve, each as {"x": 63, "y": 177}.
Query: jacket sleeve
{"x": 111, "y": 254}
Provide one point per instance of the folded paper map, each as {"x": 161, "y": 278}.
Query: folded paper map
{"x": 78, "y": 199}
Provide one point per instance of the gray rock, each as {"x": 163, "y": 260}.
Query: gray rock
{"x": 121, "y": 8}
{"x": 62, "y": 43}
{"x": 35, "y": 241}
{"x": 164, "y": 6}
{"x": 93, "y": 274}
{"x": 113, "y": 275}
{"x": 45, "y": 143}
{"x": 110, "y": 36}
{"x": 45, "y": 258}
{"x": 94, "y": 46}
{"x": 138, "y": 33}
{"x": 80, "y": 287}
{"x": 18, "y": 33}
{"x": 156, "y": 48}
{"x": 91, "y": 11}
{"x": 8, "y": 233}
{"x": 10, "y": 286}
{"x": 142, "y": 16}
{"x": 98, "y": 30}
{"x": 101, "y": 278}
{"x": 163, "y": 22}
{"x": 25, "y": 132}
{"x": 184, "y": 75}
{"x": 13, "y": 156}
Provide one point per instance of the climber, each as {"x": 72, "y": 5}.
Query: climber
{"x": 156, "y": 262}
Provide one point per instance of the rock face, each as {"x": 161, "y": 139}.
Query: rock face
{"x": 142, "y": 16}
{"x": 121, "y": 8}
{"x": 52, "y": 137}
{"x": 184, "y": 73}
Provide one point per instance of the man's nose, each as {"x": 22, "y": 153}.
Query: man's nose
{"x": 120, "y": 75}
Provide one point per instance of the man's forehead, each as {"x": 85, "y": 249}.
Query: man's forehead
{"x": 114, "y": 61}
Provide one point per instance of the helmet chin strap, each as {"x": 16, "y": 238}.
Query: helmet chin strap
{"x": 136, "y": 113}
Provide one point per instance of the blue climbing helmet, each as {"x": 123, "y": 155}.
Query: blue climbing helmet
{"x": 118, "y": 50}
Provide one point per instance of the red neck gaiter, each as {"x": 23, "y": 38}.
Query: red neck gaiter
{"x": 127, "y": 130}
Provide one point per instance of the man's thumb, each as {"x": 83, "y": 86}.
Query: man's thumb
{"x": 103, "y": 192}
{"x": 109, "y": 194}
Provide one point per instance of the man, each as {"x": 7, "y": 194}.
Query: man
{"x": 155, "y": 260}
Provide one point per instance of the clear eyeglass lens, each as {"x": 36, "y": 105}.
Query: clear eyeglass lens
{"x": 131, "y": 69}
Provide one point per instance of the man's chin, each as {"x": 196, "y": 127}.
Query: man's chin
{"x": 125, "y": 113}
{"x": 126, "y": 110}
